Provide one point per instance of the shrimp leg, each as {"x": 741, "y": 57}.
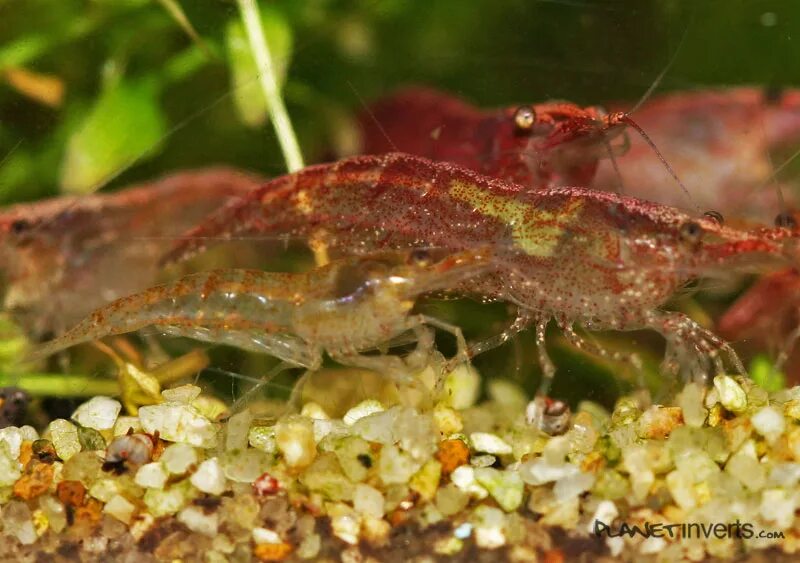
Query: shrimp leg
{"x": 462, "y": 353}
{"x": 391, "y": 365}
{"x": 521, "y": 322}
{"x": 583, "y": 343}
{"x": 424, "y": 336}
{"x": 272, "y": 374}
{"x": 548, "y": 368}
{"x": 689, "y": 344}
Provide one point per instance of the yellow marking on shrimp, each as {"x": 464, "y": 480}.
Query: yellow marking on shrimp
{"x": 526, "y": 222}
{"x": 317, "y": 243}
{"x": 304, "y": 203}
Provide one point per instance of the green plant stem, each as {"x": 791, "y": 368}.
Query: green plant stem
{"x": 277, "y": 109}
{"x": 59, "y": 385}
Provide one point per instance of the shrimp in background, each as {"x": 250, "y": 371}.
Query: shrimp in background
{"x": 64, "y": 257}
{"x": 718, "y": 142}
{"x": 766, "y": 314}
{"x": 535, "y": 145}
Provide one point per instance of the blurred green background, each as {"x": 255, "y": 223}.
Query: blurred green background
{"x": 174, "y": 100}
{"x": 99, "y": 94}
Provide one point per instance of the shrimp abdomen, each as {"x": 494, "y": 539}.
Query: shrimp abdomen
{"x": 213, "y": 302}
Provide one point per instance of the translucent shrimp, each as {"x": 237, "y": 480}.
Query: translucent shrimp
{"x": 344, "y": 309}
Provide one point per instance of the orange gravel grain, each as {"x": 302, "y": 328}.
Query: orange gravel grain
{"x": 36, "y": 480}
{"x": 272, "y": 551}
{"x": 452, "y": 454}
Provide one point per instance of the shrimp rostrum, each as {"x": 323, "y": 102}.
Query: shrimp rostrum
{"x": 345, "y": 308}
{"x": 583, "y": 258}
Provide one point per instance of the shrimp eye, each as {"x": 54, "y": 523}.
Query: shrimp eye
{"x": 773, "y": 94}
{"x": 691, "y": 232}
{"x": 20, "y": 226}
{"x": 420, "y": 257}
{"x": 715, "y": 216}
{"x": 524, "y": 119}
{"x": 786, "y": 221}
{"x": 355, "y": 279}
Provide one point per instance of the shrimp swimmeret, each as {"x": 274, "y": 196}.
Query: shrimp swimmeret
{"x": 344, "y": 308}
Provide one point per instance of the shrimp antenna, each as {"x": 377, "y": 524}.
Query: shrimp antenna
{"x": 241, "y": 377}
{"x": 6, "y": 157}
{"x": 373, "y": 117}
{"x": 620, "y": 183}
{"x": 786, "y": 162}
{"x": 265, "y": 381}
{"x": 625, "y": 118}
{"x": 10, "y": 152}
{"x": 655, "y": 84}
{"x": 774, "y": 176}
{"x": 774, "y": 181}
{"x": 775, "y": 171}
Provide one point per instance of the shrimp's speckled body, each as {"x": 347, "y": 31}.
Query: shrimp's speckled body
{"x": 598, "y": 260}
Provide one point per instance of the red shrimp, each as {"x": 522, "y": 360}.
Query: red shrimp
{"x": 718, "y": 142}
{"x": 579, "y": 256}
{"x": 767, "y": 312}
{"x": 768, "y": 315}
{"x": 62, "y": 258}
{"x": 536, "y": 145}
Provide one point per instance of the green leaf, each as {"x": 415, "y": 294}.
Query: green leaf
{"x": 251, "y": 105}
{"x": 33, "y": 45}
{"x": 764, "y": 374}
{"x": 124, "y": 125}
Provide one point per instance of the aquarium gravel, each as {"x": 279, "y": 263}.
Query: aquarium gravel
{"x": 429, "y": 482}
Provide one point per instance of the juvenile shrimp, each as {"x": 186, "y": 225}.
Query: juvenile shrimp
{"x": 581, "y": 257}
{"x": 717, "y": 140}
{"x": 64, "y": 257}
{"x": 344, "y": 308}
